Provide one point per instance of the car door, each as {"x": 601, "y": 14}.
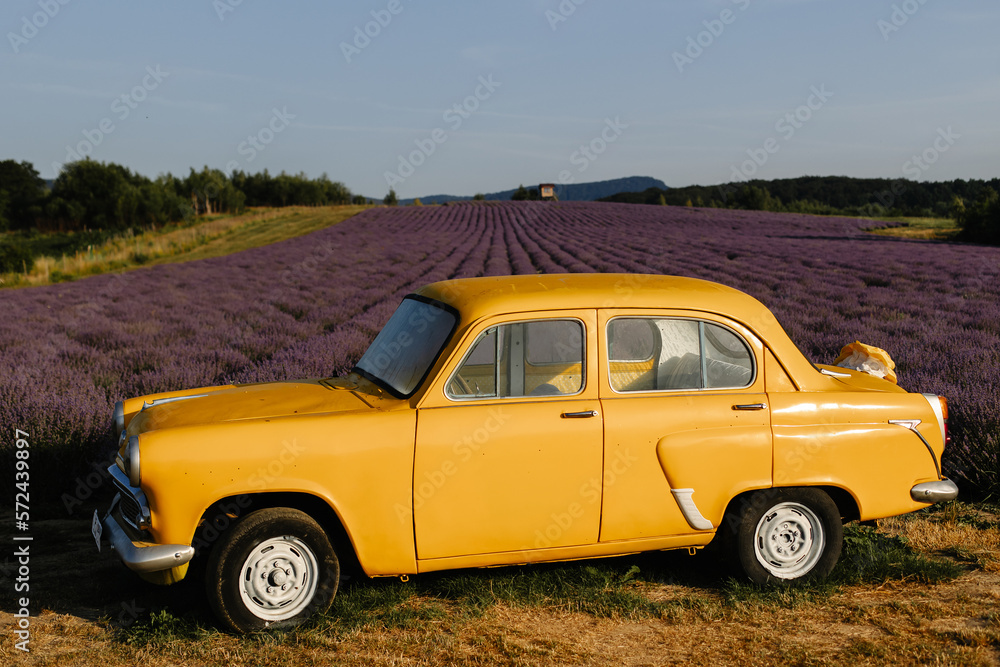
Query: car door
{"x": 510, "y": 456}
{"x": 687, "y": 425}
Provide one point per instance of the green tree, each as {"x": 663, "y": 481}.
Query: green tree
{"x": 4, "y": 222}
{"x": 479, "y": 196}
{"x": 417, "y": 202}
{"x": 211, "y": 191}
{"x": 23, "y": 192}
{"x": 359, "y": 200}
{"x": 520, "y": 194}
{"x": 980, "y": 222}
{"x": 391, "y": 199}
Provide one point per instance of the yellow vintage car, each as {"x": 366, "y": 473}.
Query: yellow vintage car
{"x": 520, "y": 419}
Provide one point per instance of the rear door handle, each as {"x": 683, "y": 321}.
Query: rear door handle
{"x": 579, "y": 415}
{"x": 751, "y": 406}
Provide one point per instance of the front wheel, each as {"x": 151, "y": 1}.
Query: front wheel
{"x": 786, "y": 535}
{"x": 274, "y": 569}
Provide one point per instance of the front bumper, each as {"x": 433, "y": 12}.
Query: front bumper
{"x": 142, "y": 557}
{"x": 935, "y": 492}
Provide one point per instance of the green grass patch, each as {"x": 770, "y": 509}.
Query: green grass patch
{"x": 162, "y": 627}
{"x": 934, "y": 229}
{"x": 61, "y": 257}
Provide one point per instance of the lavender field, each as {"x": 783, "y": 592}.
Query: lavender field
{"x": 308, "y": 307}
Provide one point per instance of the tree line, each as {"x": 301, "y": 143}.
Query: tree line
{"x": 974, "y": 204}
{"x": 89, "y": 195}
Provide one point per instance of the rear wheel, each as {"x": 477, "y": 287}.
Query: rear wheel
{"x": 785, "y": 535}
{"x": 274, "y": 569}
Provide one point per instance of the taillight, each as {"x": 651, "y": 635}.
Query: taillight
{"x": 944, "y": 413}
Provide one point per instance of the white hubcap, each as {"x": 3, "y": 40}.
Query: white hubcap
{"x": 279, "y": 578}
{"x": 789, "y": 540}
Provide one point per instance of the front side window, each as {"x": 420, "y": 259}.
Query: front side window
{"x": 536, "y": 358}
{"x": 403, "y": 352}
{"x": 659, "y": 354}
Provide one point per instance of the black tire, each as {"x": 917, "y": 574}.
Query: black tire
{"x": 780, "y": 536}
{"x": 274, "y": 569}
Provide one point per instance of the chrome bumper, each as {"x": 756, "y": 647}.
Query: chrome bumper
{"x": 142, "y": 556}
{"x": 935, "y": 492}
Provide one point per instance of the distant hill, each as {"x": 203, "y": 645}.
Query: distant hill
{"x": 827, "y": 195}
{"x": 572, "y": 192}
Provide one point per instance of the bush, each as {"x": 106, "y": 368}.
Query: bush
{"x": 15, "y": 257}
{"x": 980, "y": 222}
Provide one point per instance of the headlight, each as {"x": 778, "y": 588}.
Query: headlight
{"x": 132, "y": 461}
{"x": 119, "y": 419}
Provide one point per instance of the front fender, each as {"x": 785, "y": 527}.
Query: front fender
{"x": 360, "y": 464}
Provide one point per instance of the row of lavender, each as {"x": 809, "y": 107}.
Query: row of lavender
{"x": 308, "y": 307}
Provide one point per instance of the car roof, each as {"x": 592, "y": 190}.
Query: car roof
{"x": 475, "y": 298}
{"x": 478, "y": 297}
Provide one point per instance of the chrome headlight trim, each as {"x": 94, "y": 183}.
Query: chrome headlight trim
{"x": 119, "y": 419}
{"x": 132, "y": 461}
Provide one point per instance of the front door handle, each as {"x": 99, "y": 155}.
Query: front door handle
{"x": 579, "y": 415}
{"x": 751, "y": 406}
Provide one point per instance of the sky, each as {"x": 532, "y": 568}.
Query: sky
{"x": 464, "y": 97}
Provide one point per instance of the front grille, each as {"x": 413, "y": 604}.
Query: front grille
{"x": 132, "y": 510}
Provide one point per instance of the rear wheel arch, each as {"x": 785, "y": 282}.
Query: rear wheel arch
{"x": 846, "y": 503}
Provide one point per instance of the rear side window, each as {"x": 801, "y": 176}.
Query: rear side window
{"x": 671, "y": 354}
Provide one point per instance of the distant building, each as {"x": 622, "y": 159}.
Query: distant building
{"x": 547, "y": 190}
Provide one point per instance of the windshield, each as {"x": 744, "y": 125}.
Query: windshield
{"x": 403, "y": 352}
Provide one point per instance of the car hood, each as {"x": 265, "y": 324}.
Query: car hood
{"x": 255, "y": 401}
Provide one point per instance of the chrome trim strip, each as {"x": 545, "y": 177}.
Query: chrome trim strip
{"x": 936, "y": 407}
{"x": 690, "y": 511}
{"x": 119, "y": 479}
{"x": 911, "y": 425}
{"x": 934, "y": 492}
{"x": 834, "y": 374}
{"x": 163, "y": 401}
{"x": 144, "y": 557}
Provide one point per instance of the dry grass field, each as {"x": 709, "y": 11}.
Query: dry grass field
{"x": 919, "y": 589}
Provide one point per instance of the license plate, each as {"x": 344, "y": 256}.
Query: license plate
{"x": 96, "y": 528}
